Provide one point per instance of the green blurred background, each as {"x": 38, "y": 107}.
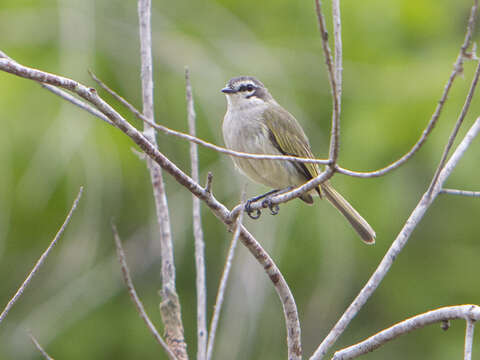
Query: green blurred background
{"x": 397, "y": 58}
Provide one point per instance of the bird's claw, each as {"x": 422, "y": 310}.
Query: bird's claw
{"x": 250, "y": 211}
{"x": 274, "y": 208}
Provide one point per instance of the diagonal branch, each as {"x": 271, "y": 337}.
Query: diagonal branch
{"x": 71, "y": 99}
{"x": 396, "y": 247}
{"x": 42, "y": 259}
{"x": 205, "y": 194}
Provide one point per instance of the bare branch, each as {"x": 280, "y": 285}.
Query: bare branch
{"x": 292, "y": 321}
{"x": 81, "y": 104}
{"x": 459, "y": 123}
{"x": 396, "y": 247}
{"x": 335, "y": 134}
{"x": 133, "y": 294}
{"x": 170, "y": 305}
{"x": 457, "y": 70}
{"x": 469, "y": 338}
{"x": 220, "y": 211}
{"x": 223, "y": 282}
{"x": 468, "y": 312}
{"x": 337, "y": 31}
{"x": 42, "y": 259}
{"x": 208, "y": 185}
{"x": 38, "y": 346}
{"x": 456, "y": 156}
{"x": 460, "y": 192}
{"x": 72, "y": 99}
{"x": 198, "y": 233}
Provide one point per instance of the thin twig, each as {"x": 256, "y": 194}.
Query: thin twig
{"x": 38, "y": 346}
{"x": 201, "y": 286}
{"x": 208, "y": 184}
{"x": 396, "y": 247}
{"x": 196, "y": 140}
{"x": 77, "y": 102}
{"x": 468, "y": 312}
{"x": 458, "y": 124}
{"x": 42, "y": 258}
{"x": 335, "y": 133}
{"x": 223, "y": 282}
{"x": 170, "y": 305}
{"x": 133, "y": 294}
{"x": 460, "y": 192}
{"x": 337, "y": 31}
{"x": 457, "y": 70}
{"x": 71, "y": 99}
{"x": 217, "y": 208}
{"x": 469, "y": 337}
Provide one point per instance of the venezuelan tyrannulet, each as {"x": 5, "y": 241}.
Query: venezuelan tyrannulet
{"x": 256, "y": 123}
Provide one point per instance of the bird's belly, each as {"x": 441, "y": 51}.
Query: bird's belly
{"x": 255, "y": 139}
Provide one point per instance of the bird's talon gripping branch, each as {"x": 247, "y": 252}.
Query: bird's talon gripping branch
{"x": 274, "y": 208}
{"x": 250, "y": 211}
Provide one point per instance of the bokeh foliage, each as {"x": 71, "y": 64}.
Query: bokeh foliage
{"x": 397, "y": 58}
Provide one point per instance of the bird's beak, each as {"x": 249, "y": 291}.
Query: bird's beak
{"x": 227, "y": 90}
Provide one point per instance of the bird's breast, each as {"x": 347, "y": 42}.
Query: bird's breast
{"x": 246, "y": 131}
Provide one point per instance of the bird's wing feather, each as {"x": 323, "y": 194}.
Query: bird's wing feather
{"x": 289, "y": 138}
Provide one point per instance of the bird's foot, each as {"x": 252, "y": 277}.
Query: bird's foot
{"x": 253, "y": 214}
{"x": 274, "y": 208}
{"x": 266, "y": 203}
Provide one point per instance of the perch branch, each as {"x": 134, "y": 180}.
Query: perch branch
{"x": 41, "y": 260}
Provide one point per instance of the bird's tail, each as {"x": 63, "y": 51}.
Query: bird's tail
{"x": 360, "y": 225}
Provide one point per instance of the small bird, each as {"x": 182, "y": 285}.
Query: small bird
{"x": 256, "y": 123}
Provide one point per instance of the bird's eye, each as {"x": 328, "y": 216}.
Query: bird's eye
{"x": 249, "y": 87}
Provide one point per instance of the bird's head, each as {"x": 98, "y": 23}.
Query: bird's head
{"x": 245, "y": 91}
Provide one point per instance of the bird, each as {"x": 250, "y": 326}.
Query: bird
{"x": 255, "y": 123}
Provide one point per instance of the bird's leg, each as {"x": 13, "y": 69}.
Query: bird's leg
{"x": 267, "y": 202}
{"x": 274, "y": 209}
{"x": 249, "y": 202}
